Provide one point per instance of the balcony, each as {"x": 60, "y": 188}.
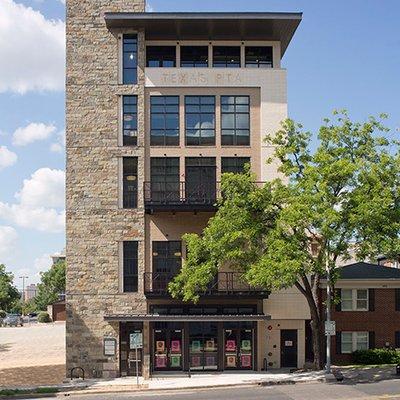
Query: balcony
{"x": 225, "y": 284}
{"x": 180, "y": 196}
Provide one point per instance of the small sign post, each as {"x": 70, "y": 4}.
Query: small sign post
{"x": 136, "y": 342}
{"x": 330, "y": 328}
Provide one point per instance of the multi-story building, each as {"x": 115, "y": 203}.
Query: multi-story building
{"x": 159, "y": 105}
{"x": 30, "y": 292}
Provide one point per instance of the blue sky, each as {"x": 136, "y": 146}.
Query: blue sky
{"x": 345, "y": 54}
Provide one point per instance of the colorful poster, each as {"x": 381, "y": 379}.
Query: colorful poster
{"x": 196, "y": 346}
{"x": 175, "y": 361}
{"x": 246, "y": 345}
{"x": 210, "y": 345}
{"x": 231, "y": 361}
{"x": 160, "y": 346}
{"x": 175, "y": 346}
{"x": 161, "y": 361}
{"x": 210, "y": 361}
{"x": 230, "y": 345}
{"x": 245, "y": 360}
{"x": 195, "y": 361}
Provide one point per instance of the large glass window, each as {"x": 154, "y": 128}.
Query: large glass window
{"x": 226, "y": 56}
{"x": 258, "y": 57}
{"x": 130, "y": 185}
{"x": 354, "y": 299}
{"x": 130, "y": 266}
{"x": 234, "y": 164}
{"x": 167, "y": 257}
{"x": 160, "y": 56}
{"x": 352, "y": 341}
{"x": 164, "y": 179}
{"x": 200, "y": 120}
{"x": 164, "y": 120}
{"x": 194, "y": 56}
{"x": 129, "y": 59}
{"x": 129, "y": 120}
{"x": 235, "y": 120}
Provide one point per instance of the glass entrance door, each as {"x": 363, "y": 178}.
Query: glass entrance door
{"x": 168, "y": 348}
{"x": 239, "y": 346}
{"x": 203, "y": 346}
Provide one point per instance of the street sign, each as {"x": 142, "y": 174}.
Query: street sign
{"x": 330, "y": 328}
{"x": 136, "y": 340}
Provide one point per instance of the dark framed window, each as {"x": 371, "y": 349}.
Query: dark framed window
{"x": 235, "y": 120}
{"x": 164, "y": 120}
{"x": 130, "y": 185}
{"x": 258, "y": 57}
{"x": 130, "y": 267}
{"x": 200, "y": 120}
{"x": 164, "y": 173}
{"x": 226, "y": 56}
{"x": 167, "y": 257}
{"x": 129, "y": 111}
{"x": 194, "y": 56}
{"x": 129, "y": 59}
{"x": 160, "y": 56}
{"x": 234, "y": 164}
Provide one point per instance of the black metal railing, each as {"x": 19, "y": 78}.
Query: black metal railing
{"x": 224, "y": 283}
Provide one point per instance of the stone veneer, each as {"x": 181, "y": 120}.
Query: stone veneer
{"x": 95, "y": 223}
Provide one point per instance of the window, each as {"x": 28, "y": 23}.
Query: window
{"x": 194, "y": 56}
{"x": 167, "y": 257}
{"x": 258, "y": 57}
{"x": 354, "y": 299}
{"x": 164, "y": 179}
{"x": 164, "y": 120}
{"x": 235, "y": 120}
{"x": 352, "y": 341}
{"x": 130, "y": 120}
{"x": 160, "y": 56}
{"x": 130, "y": 182}
{"x": 129, "y": 59}
{"x": 226, "y": 56}
{"x": 234, "y": 164}
{"x": 200, "y": 120}
{"x": 130, "y": 267}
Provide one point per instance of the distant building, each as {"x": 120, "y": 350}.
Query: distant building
{"x": 30, "y": 292}
{"x": 57, "y": 257}
{"x": 389, "y": 262}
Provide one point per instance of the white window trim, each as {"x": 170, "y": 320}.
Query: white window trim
{"x": 354, "y": 341}
{"x": 354, "y": 300}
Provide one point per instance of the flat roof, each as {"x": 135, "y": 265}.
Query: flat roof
{"x": 210, "y": 25}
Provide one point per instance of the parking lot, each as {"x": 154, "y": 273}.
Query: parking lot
{"x": 32, "y": 355}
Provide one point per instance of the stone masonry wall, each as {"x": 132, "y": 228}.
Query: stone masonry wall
{"x": 95, "y": 223}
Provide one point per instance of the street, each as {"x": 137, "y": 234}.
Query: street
{"x": 389, "y": 389}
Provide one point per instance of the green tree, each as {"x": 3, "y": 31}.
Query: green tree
{"x": 8, "y": 292}
{"x": 343, "y": 196}
{"x": 51, "y": 286}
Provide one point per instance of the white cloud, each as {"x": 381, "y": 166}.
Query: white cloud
{"x": 43, "y": 263}
{"x": 7, "y": 157}
{"x": 59, "y": 146}
{"x": 149, "y": 8}
{"x": 32, "y": 50}
{"x": 32, "y": 133}
{"x": 8, "y": 240}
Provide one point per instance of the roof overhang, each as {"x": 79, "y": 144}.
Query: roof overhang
{"x": 184, "y": 318}
{"x": 210, "y": 26}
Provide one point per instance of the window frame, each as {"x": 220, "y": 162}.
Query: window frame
{"x": 127, "y": 201}
{"x": 258, "y": 63}
{"x": 168, "y": 259}
{"x": 126, "y": 80}
{"x": 354, "y": 299}
{"x": 134, "y": 115}
{"x": 354, "y": 341}
{"x": 226, "y": 63}
{"x": 246, "y": 160}
{"x": 125, "y": 260}
{"x": 163, "y": 56}
{"x": 197, "y": 62}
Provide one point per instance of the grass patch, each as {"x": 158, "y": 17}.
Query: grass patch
{"x": 15, "y": 392}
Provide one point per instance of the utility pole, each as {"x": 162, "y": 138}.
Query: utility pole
{"x": 328, "y": 316}
{"x": 23, "y": 286}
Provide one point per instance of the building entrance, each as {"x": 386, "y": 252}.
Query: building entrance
{"x": 203, "y": 346}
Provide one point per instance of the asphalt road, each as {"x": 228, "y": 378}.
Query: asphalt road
{"x": 384, "y": 390}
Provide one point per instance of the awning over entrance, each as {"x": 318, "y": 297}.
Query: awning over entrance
{"x": 184, "y": 318}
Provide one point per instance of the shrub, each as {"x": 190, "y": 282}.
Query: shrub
{"x": 44, "y": 317}
{"x": 376, "y": 356}
{"x": 2, "y": 314}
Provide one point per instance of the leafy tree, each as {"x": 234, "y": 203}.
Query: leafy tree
{"x": 51, "y": 286}
{"x": 8, "y": 292}
{"x": 343, "y": 196}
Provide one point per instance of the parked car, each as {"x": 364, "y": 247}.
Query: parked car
{"x": 32, "y": 314}
{"x": 13, "y": 320}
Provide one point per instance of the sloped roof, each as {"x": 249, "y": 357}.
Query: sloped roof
{"x": 365, "y": 271}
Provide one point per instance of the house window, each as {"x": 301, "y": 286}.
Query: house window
{"x": 129, "y": 59}
{"x": 235, "y": 120}
{"x": 354, "y": 299}
{"x": 352, "y": 341}
{"x": 258, "y": 57}
{"x": 130, "y": 267}
{"x": 200, "y": 120}
{"x": 234, "y": 164}
{"x": 165, "y": 186}
{"x": 226, "y": 56}
{"x": 160, "y": 56}
{"x": 194, "y": 56}
{"x": 130, "y": 120}
{"x": 130, "y": 185}
{"x": 167, "y": 257}
{"x": 164, "y": 120}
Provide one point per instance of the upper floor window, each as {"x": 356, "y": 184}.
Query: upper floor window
{"x": 234, "y": 164}
{"x": 129, "y": 120}
{"x": 160, "y": 56}
{"x": 129, "y": 59}
{"x": 164, "y": 173}
{"x": 352, "y": 341}
{"x": 226, "y": 56}
{"x": 130, "y": 266}
{"x": 194, "y": 56}
{"x": 235, "y": 120}
{"x": 130, "y": 186}
{"x": 164, "y": 120}
{"x": 354, "y": 299}
{"x": 258, "y": 57}
{"x": 167, "y": 257}
{"x": 200, "y": 120}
